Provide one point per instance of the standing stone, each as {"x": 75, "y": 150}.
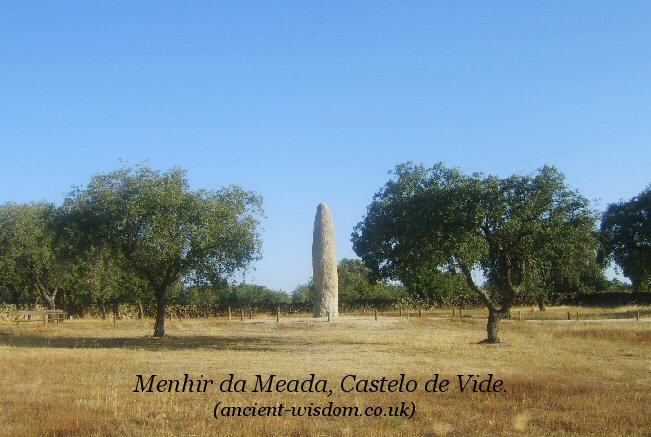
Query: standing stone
{"x": 324, "y": 265}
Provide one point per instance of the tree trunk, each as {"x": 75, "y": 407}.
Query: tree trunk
{"x": 492, "y": 326}
{"x": 49, "y": 300}
{"x": 116, "y": 311}
{"x": 541, "y": 303}
{"x": 103, "y": 310}
{"x": 493, "y": 313}
{"x": 141, "y": 312}
{"x": 48, "y": 297}
{"x": 159, "y": 327}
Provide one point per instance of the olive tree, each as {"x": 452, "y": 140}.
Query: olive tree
{"x": 504, "y": 229}
{"x": 167, "y": 232}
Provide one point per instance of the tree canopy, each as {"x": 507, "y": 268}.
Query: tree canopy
{"x": 357, "y": 287}
{"x": 507, "y": 229}
{"x": 165, "y": 231}
{"x": 626, "y": 236}
{"x": 31, "y": 260}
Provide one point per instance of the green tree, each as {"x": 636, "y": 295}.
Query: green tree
{"x": 626, "y": 237}
{"x": 101, "y": 275}
{"x": 503, "y": 228}
{"x": 356, "y": 285}
{"x": 251, "y": 294}
{"x": 573, "y": 269}
{"x": 31, "y": 260}
{"x": 304, "y": 293}
{"x": 354, "y": 281}
{"x": 430, "y": 284}
{"x": 214, "y": 294}
{"x": 105, "y": 279}
{"x": 167, "y": 232}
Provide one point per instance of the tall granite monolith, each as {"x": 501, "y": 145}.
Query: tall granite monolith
{"x": 324, "y": 264}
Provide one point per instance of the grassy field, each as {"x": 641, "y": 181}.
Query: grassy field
{"x": 585, "y": 377}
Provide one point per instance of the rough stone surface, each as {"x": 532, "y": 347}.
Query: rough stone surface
{"x": 324, "y": 264}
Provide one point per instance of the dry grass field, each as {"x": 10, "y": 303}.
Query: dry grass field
{"x": 560, "y": 377}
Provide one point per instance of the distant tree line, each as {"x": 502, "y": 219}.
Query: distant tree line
{"x": 356, "y": 289}
{"x": 431, "y": 237}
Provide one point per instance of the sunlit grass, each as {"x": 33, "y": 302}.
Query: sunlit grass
{"x": 561, "y": 378}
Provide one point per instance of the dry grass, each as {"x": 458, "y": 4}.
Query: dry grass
{"x": 561, "y": 378}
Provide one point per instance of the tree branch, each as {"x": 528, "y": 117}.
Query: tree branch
{"x": 481, "y": 293}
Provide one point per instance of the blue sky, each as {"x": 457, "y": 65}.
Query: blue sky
{"x": 308, "y": 102}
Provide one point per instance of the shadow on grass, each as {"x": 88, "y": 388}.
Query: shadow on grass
{"x": 144, "y": 343}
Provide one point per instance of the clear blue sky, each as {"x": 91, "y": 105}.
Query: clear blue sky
{"x": 305, "y": 102}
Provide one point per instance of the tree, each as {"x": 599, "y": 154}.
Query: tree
{"x": 626, "y": 237}
{"x": 356, "y": 285}
{"x": 353, "y": 280}
{"x": 304, "y": 294}
{"x": 201, "y": 295}
{"x": 105, "y": 279}
{"x": 429, "y": 284}
{"x": 167, "y": 232}
{"x": 574, "y": 269}
{"x": 101, "y": 274}
{"x": 251, "y": 294}
{"x": 31, "y": 259}
{"x": 503, "y": 228}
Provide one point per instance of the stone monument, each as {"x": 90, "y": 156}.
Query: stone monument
{"x": 324, "y": 265}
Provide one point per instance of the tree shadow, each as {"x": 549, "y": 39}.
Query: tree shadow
{"x": 144, "y": 343}
{"x": 487, "y": 342}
